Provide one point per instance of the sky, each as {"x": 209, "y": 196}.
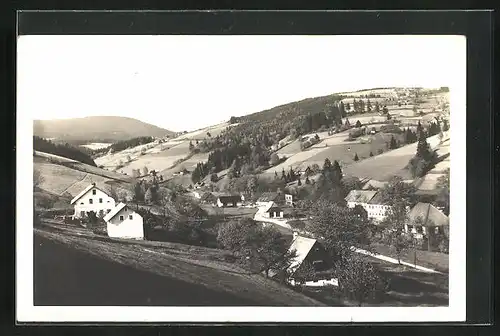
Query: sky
{"x": 182, "y": 82}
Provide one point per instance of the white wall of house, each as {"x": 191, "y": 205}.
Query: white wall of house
{"x": 229, "y": 204}
{"x": 126, "y": 224}
{"x": 377, "y": 212}
{"x": 94, "y": 200}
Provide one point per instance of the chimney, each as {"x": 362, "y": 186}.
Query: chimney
{"x": 93, "y": 183}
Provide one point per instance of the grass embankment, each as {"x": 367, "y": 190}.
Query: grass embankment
{"x": 114, "y": 272}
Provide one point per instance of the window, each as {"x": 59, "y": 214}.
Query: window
{"x": 121, "y": 218}
{"x": 100, "y": 200}
{"x": 81, "y": 203}
{"x": 94, "y": 192}
{"x": 130, "y": 217}
{"x": 82, "y": 213}
{"x": 91, "y": 201}
{"x": 419, "y": 229}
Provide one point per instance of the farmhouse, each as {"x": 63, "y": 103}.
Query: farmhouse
{"x": 94, "y": 199}
{"x": 368, "y": 200}
{"x": 229, "y": 201}
{"x": 307, "y": 250}
{"x": 267, "y": 197}
{"x": 123, "y": 222}
{"x": 426, "y": 219}
{"x": 274, "y": 212}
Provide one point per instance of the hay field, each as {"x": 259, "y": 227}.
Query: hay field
{"x": 57, "y": 178}
{"x": 201, "y": 134}
{"x": 96, "y": 145}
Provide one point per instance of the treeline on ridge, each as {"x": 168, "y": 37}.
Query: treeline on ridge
{"x": 64, "y": 150}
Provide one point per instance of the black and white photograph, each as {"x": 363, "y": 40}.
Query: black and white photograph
{"x": 293, "y": 178}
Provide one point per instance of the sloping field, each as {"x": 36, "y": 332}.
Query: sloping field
{"x": 188, "y": 164}
{"x": 296, "y": 160}
{"x": 183, "y": 269}
{"x": 56, "y": 178}
{"x": 74, "y": 177}
{"x": 382, "y": 167}
{"x": 157, "y": 156}
{"x": 388, "y": 164}
{"x": 97, "y": 145}
{"x": 201, "y": 134}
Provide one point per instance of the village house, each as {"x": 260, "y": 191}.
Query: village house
{"x": 267, "y": 197}
{"x": 426, "y": 219}
{"x": 375, "y": 209}
{"x": 289, "y": 200}
{"x": 229, "y": 201}
{"x": 123, "y": 222}
{"x": 307, "y": 250}
{"x": 94, "y": 199}
{"x": 273, "y": 212}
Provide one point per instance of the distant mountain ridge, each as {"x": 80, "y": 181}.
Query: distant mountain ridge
{"x": 96, "y": 128}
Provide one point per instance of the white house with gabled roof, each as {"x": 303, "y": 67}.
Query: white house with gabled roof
{"x": 92, "y": 198}
{"x": 123, "y": 222}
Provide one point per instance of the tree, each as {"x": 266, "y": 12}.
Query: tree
{"x": 394, "y": 224}
{"x": 377, "y": 107}
{"x": 360, "y": 280}
{"x": 191, "y": 146}
{"x": 348, "y": 106}
{"x": 37, "y": 178}
{"x": 393, "y": 144}
{"x": 339, "y": 227}
{"x": 151, "y": 196}
{"x": 297, "y": 224}
{"x": 138, "y": 193}
{"x": 307, "y": 180}
{"x": 145, "y": 171}
{"x": 299, "y": 183}
{"x": 358, "y": 124}
{"x": 209, "y": 135}
{"x": 214, "y": 178}
{"x": 443, "y": 196}
{"x": 396, "y": 189}
{"x": 424, "y": 159}
{"x": 233, "y": 236}
{"x": 305, "y": 272}
{"x": 371, "y": 153}
{"x": 356, "y": 158}
{"x": 446, "y": 127}
{"x": 270, "y": 250}
{"x": 274, "y": 159}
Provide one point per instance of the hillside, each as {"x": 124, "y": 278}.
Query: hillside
{"x": 96, "y": 129}
{"x": 157, "y": 273}
{"x": 65, "y": 178}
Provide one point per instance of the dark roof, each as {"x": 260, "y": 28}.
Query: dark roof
{"x": 229, "y": 198}
{"x": 429, "y": 215}
{"x": 268, "y": 196}
{"x": 274, "y": 209}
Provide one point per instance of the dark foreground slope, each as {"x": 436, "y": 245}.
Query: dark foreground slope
{"x": 68, "y": 277}
{"x": 75, "y": 268}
